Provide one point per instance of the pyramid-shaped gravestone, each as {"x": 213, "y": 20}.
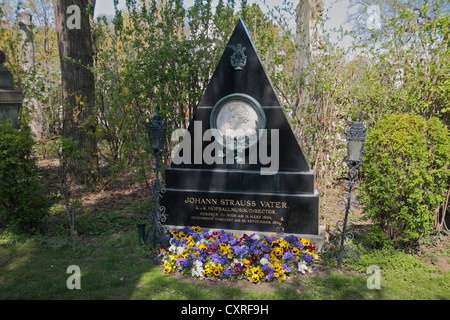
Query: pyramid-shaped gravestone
{"x": 239, "y": 166}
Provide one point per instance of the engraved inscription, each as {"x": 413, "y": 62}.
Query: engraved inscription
{"x": 259, "y": 212}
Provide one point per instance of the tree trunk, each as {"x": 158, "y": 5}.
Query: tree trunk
{"x": 77, "y": 50}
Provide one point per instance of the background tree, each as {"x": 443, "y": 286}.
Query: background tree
{"x": 76, "y": 49}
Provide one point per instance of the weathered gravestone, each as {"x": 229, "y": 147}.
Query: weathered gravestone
{"x": 239, "y": 166}
{"x": 27, "y": 62}
{"x": 10, "y": 99}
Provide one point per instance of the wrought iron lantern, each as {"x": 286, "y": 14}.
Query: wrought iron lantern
{"x": 156, "y": 130}
{"x": 356, "y": 136}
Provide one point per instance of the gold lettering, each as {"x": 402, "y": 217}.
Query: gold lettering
{"x": 193, "y": 200}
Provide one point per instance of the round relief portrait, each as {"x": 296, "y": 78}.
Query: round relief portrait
{"x": 237, "y": 117}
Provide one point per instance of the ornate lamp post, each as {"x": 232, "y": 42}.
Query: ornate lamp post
{"x": 156, "y": 130}
{"x": 356, "y": 136}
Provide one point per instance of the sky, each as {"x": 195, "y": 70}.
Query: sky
{"x": 336, "y": 11}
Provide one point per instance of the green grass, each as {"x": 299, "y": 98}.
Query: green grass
{"x": 114, "y": 266}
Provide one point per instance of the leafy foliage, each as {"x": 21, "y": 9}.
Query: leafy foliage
{"x": 405, "y": 174}
{"x": 23, "y": 205}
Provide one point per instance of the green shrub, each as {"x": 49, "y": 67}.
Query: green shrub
{"x": 405, "y": 174}
{"x": 22, "y": 203}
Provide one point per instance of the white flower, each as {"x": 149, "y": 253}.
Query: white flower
{"x": 180, "y": 250}
{"x": 264, "y": 261}
{"x": 197, "y": 271}
{"x": 198, "y": 264}
{"x": 302, "y": 267}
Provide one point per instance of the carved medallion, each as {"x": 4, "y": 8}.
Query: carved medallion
{"x": 236, "y": 120}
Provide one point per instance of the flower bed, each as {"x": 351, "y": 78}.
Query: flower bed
{"x": 225, "y": 256}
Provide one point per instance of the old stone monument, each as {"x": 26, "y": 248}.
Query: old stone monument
{"x": 27, "y": 61}
{"x": 10, "y": 99}
{"x": 239, "y": 166}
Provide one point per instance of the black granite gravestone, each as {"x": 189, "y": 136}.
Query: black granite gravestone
{"x": 260, "y": 185}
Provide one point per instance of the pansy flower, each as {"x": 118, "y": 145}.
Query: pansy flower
{"x": 167, "y": 269}
{"x": 255, "y": 278}
{"x": 226, "y": 272}
{"x": 237, "y": 268}
{"x": 277, "y": 251}
{"x": 288, "y": 255}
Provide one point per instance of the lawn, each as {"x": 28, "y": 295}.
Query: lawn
{"x": 115, "y": 267}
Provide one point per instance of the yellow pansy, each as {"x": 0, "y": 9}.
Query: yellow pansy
{"x": 277, "y": 267}
{"x": 255, "y": 270}
{"x": 278, "y": 251}
{"x": 190, "y": 244}
{"x": 261, "y": 274}
{"x": 305, "y": 242}
{"x": 167, "y": 269}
